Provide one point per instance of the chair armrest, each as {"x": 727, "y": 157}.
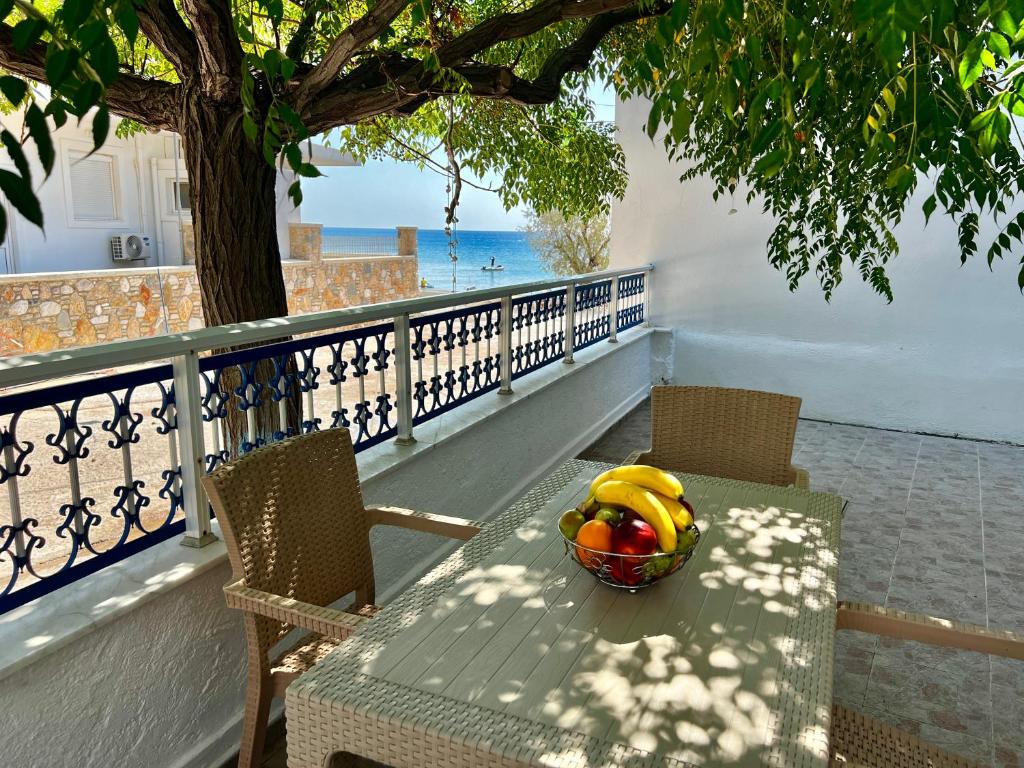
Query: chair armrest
{"x": 926, "y": 629}
{"x": 801, "y": 478}
{"x": 315, "y": 618}
{"x": 636, "y": 457}
{"x": 452, "y": 527}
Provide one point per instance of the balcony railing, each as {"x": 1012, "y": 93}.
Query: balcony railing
{"x": 99, "y": 465}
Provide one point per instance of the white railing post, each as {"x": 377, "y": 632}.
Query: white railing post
{"x": 403, "y": 380}
{"x": 189, "y": 414}
{"x": 647, "y": 299}
{"x": 613, "y": 316}
{"x": 505, "y": 345}
{"x": 570, "y": 321}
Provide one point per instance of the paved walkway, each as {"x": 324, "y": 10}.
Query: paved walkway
{"x": 934, "y": 525}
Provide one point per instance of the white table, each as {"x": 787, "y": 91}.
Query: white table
{"x": 509, "y": 654}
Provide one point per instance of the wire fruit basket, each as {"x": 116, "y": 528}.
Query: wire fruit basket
{"x": 632, "y": 572}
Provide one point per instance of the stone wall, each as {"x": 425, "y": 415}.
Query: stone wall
{"x": 58, "y": 310}
{"x": 304, "y": 240}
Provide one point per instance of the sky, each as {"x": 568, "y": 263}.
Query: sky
{"x": 387, "y": 193}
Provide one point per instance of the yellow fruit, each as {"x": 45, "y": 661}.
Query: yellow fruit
{"x": 681, "y": 517}
{"x": 651, "y": 478}
{"x": 622, "y": 494}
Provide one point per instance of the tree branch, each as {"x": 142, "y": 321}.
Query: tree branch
{"x": 220, "y": 53}
{"x": 400, "y": 86}
{"x": 358, "y": 34}
{"x": 296, "y": 50}
{"x": 163, "y": 26}
{"x": 513, "y": 26}
{"x": 153, "y": 103}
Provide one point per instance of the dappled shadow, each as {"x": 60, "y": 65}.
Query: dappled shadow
{"x": 723, "y": 663}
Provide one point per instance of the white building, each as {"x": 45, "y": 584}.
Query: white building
{"x": 946, "y": 356}
{"x": 136, "y": 185}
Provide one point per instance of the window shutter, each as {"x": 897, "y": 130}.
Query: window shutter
{"x": 92, "y": 187}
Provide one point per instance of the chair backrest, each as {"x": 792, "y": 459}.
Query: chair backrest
{"x": 294, "y": 522}
{"x": 735, "y": 433}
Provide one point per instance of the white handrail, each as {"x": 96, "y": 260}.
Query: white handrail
{"x": 27, "y": 369}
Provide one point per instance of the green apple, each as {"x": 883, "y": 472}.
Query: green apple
{"x": 609, "y": 515}
{"x": 570, "y": 523}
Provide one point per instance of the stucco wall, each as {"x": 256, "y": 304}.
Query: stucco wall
{"x": 163, "y": 685}
{"x": 43, "y": 312}
{"x": 947, "y": 356}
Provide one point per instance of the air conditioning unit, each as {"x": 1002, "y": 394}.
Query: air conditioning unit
{"x": 130, "y": 247}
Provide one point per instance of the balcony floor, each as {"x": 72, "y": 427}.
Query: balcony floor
{"x": 933, "y": 525}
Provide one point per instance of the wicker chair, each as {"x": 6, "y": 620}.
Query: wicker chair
{"x": 734, "y": 433}
{"x": 860, "y": 740}
{"x": 297, "y": 536}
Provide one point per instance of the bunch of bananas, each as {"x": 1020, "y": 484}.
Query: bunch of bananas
{"x": 653, "y": 494}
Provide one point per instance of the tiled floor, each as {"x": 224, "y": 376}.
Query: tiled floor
{"x": 933, "y": 525}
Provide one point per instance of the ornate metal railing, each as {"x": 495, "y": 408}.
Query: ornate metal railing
{"x": 95, "y": 468}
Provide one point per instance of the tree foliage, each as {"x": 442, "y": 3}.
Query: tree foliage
{"x": 832, "y": 114}
{"x": 835, "y": 113}
{"x": 574, "y": 245}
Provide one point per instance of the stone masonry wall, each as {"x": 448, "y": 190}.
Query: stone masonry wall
{"x": 44, "y": 312}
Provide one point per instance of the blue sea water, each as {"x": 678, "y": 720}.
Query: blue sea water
{"x": 475, "y": 248}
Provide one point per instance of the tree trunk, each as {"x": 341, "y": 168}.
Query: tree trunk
{"x": 238, "y": 261}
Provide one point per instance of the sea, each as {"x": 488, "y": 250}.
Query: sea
{"x": 474, "y": 248}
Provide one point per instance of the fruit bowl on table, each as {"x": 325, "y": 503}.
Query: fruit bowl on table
{"x": 631, "y": 571}
{"x": 635, "y": 527}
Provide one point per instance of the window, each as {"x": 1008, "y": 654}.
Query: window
{"x": 93, "y": 187}
{"x": 181, "y": 196}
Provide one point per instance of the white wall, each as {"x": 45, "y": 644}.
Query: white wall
{"x": 66, "y": 245}
{"x": 946, "y": 356}
{"x": 162, "y": 684}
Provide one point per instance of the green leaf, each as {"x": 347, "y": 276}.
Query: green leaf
{"x": 74, "y": 12}
{"x": 998, "y": 45}
{"x": 654, "y": 54}
{"x": 38, "y": 129}
{"x": 58, "y": 109}
{"x": 17, "y": 155}
{"x": 128, "y": 21}
{"x": 770, "y": 164}
{"x": 100, "y": 127}
{"x": 27, "y": 32}
{"x": 103, "y": 57}
{"x": 890, "y": 100}
{"x": 929, "y": 208}
{"x": 18, "y": 192}
{"x": 13, "y": 88}
{"x": 249, "y": 127}
{"x": 982, "y": 119}
{"x": 308, "y": 170}
{"x": 295, "y": 193}
{"x": 765, "y": 137}
{"x": 59, "y": 64}
{"x": 971, "y": 66}
{"x": 293, "y": 155}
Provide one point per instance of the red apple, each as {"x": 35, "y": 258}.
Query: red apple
{"x": 632, "y": 537}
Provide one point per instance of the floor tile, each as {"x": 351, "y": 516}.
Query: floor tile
{"x": 949, "y": 696}
{"x": 928, "y": 582}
